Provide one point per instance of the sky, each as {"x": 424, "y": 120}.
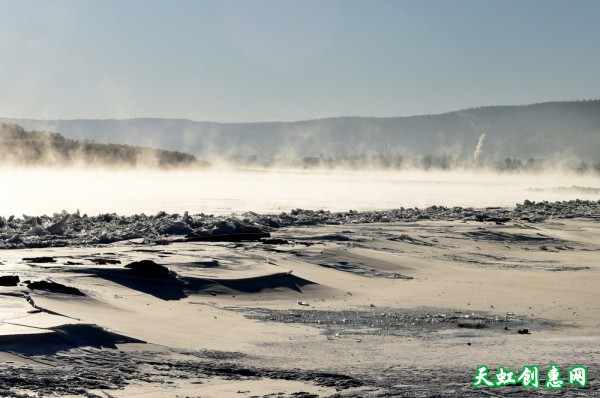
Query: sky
{"x": 267, "y": 60}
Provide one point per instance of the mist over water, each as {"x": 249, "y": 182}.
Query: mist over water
{"x": 37, "y": 191}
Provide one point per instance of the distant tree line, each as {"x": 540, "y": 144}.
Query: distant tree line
{"x": 426, "y": 162}
{"x": 39, "y": 148}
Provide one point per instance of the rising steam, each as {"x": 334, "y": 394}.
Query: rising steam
{"x": 479, "y": 146}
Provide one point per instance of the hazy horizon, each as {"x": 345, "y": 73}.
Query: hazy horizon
{"x": 307, "y": 119}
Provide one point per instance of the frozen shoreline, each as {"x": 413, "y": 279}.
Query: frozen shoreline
{"x": 66, "y": 229}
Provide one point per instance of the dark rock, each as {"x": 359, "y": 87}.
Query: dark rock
{"x": 150, "y": 269}
{"x": 104, "y": 261}
{"x": 9, "y": 280}
{"x": 39, "y": 260}
{"x": 274, "y": 241}
{"x": 54, "y": 287}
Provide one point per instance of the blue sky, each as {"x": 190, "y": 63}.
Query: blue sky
{"x": 291, "y": 60}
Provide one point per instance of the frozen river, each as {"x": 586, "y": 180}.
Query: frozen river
{"x": 36, "y": 192}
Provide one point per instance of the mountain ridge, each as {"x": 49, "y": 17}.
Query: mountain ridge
{"x": 310, "y": 119}
{"x": 555, "y": 129}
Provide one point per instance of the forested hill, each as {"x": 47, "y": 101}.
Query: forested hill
{"x": 545, "y": 130}
{"x": 33, "y": 148}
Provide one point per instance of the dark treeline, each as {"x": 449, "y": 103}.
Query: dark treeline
{"x": 427, "y": 162}
{"x": 34, "y": 148}
{"x": 19, "y": 147}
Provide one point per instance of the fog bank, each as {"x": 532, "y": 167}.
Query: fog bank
{"x": 39, "y": 191}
